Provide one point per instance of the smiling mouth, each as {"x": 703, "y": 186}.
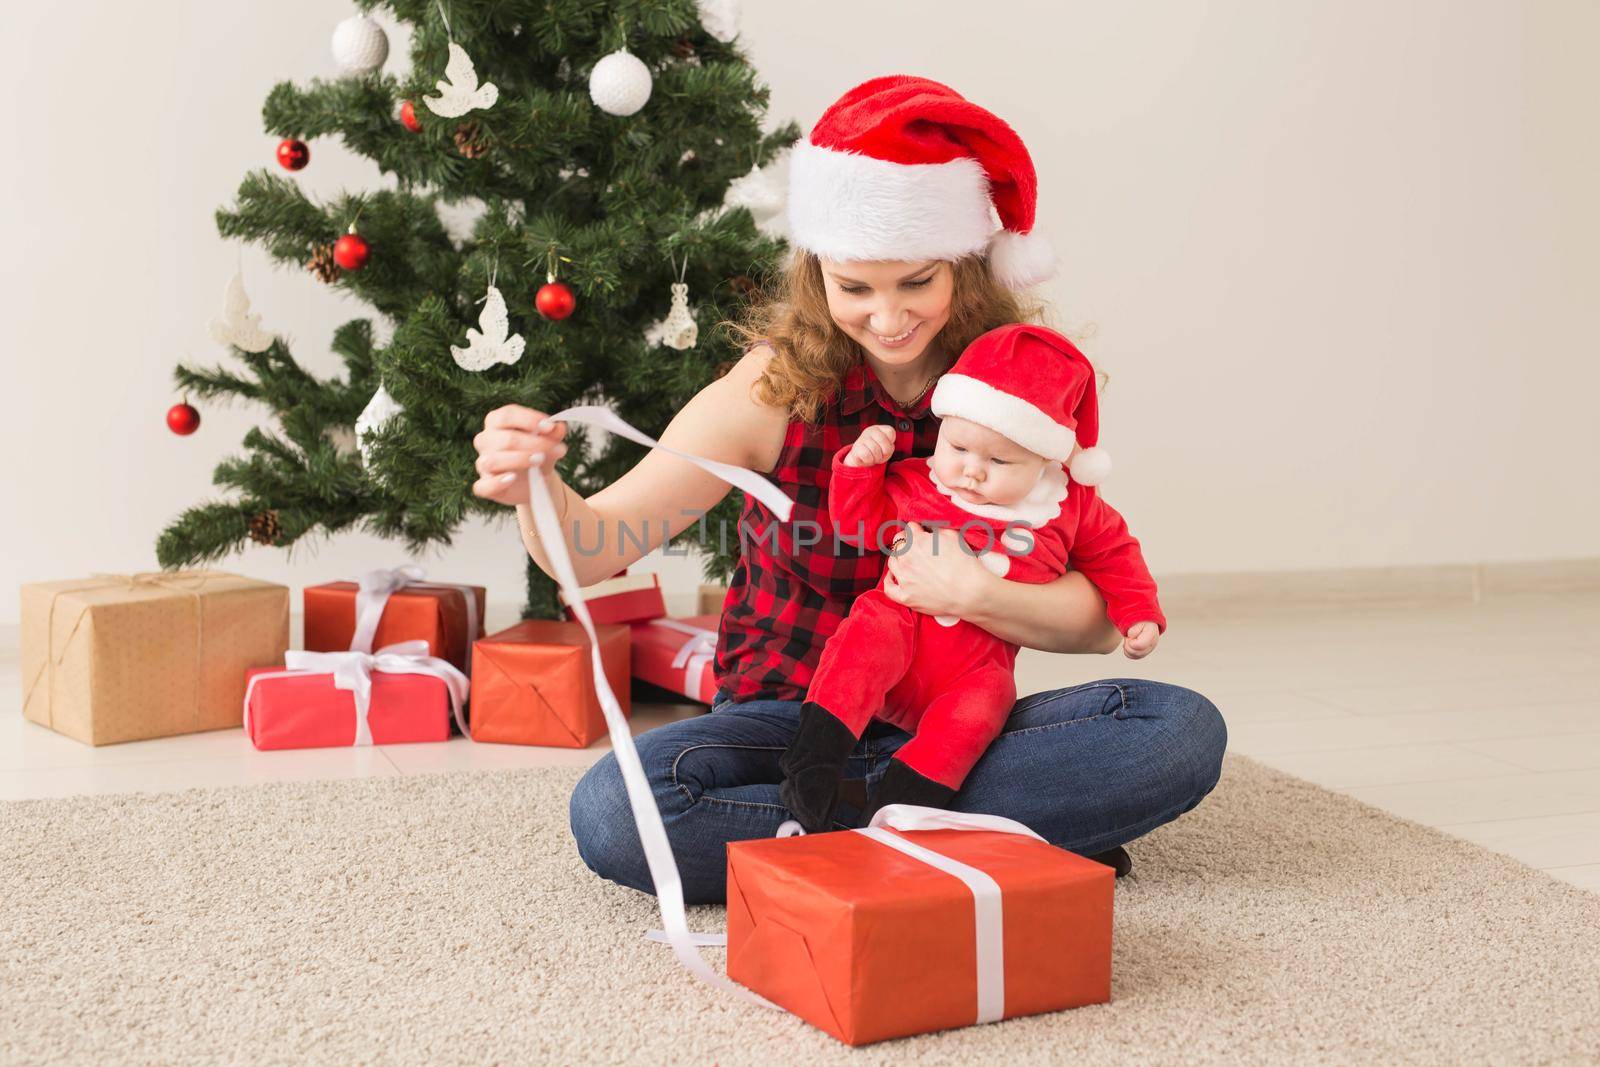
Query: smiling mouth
{"x": 898, "y": 339}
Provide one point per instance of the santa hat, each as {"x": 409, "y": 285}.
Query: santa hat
{"x": 905, "y": 168}
{"x": 1034, "y": 386}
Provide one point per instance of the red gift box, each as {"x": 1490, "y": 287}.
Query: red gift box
{"x": 533, "y": 684}
{"x": 678, "y": 654}
{"x": 448, "y": 617}
{"x": 623, "y": 599}
{"x": 344, "y": 699}
{"x": 877, "y": 933}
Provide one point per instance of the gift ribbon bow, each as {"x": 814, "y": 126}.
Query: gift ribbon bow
{"x": 652, "y": 833}
{"x": 353, "y": 671}
{"x": 695, "y": 653}
{"x": 375, "y": 589}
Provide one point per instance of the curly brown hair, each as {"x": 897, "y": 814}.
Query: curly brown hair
{"x": 811, "y": 355}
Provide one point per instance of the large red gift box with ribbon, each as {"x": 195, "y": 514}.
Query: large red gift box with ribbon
{"x": 399, "y": 606}
{"x": 533, "y": 684}
{"x": 400, "y": 695}
{"x": 881, "y": 933}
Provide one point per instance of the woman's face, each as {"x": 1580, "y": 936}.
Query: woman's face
{"x": 981, "y": 466}
{"x": 892, "y": 308}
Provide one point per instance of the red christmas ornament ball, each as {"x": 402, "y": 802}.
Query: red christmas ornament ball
{"x": 555, "y": 301}
{"x": 293, "y": 154}
{"x": 408, "y": 117}
{"x": 351, "y": 251}
{"x": 183, "y": 419}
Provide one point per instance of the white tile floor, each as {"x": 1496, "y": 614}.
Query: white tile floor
{"x": 1482, "y": 720}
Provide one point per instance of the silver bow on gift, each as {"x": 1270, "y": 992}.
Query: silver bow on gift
{"x": 376, "y": 587}
{"x": 352, "y": 671}
{"x": 692, "y": 657}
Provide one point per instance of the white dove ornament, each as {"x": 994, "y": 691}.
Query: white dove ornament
{"x": 460, "y": 92}
{"x": 237, "y": 327}
{"x": 496, "y": 344}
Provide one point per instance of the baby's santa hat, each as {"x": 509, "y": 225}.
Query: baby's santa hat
{"x": 905, "y": 168}
{"x": 1034, "y": 386}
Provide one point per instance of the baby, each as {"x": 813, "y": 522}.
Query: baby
{"x": 1016, "y": 407}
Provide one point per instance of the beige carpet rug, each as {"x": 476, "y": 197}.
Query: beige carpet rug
{"x": 447, "y": 919}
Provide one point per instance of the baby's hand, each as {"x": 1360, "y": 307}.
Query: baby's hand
{"x": 1141, "y": 640}
{"x": 874, "y": 446}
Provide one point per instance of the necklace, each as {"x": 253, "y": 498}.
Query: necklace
{"x": 916, "y": 399}
{"x": 913, "y": 401}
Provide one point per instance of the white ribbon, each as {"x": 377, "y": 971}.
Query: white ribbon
{"x": 375, "y": 589}
{"x": 652, "y": 833}
{"x": 695, "y": 654}
{"x": 353, "y": 671}
{"x": 987, "y": 914}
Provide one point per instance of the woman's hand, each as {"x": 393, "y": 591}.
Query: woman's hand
{"x": 513, "y": 439}
{"x": 948, "y": 582}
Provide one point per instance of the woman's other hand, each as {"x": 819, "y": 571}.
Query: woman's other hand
{"x": 513, "y": 439}
{"x": 946, "y": 580}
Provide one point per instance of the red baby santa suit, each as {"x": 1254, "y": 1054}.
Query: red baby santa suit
{"x": 948, "y": 681}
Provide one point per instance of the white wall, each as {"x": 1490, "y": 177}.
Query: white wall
{"x": 1335, "y": 257}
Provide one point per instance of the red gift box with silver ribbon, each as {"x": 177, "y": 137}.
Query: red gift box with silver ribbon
{"x": 391, "y": 605}
{"x": 925, "y": 920}
{"x": 398, "y": 695}
{"x": 677, "y": 654}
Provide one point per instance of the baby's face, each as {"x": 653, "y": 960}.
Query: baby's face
{"x": 982, "y": 466}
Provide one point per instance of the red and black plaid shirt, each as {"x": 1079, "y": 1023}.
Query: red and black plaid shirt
{"x": 794, "y": 584}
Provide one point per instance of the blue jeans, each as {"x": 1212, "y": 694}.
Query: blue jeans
{"x": 1088, "y": 768}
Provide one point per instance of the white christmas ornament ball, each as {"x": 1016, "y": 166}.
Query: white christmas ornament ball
{"x": 359, "y": 45}
{"x": 620, "y": 84}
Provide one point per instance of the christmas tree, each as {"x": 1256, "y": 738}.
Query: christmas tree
{"x": 610, "y": 148}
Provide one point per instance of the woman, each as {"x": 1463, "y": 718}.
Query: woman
{"x": 896, "y": 268}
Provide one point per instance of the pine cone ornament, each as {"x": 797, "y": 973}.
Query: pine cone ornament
{"x": 470, "y": 141}
{"x": 322, "y": 264}
{"x": 683, "y": 47}
{"x": 266, "y": 528}
{"x": 745, "y": 286}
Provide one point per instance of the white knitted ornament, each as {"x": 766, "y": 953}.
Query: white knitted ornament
{"x": 620, "y": 83}
{"x": 379, "y": 412}
{"x": 359, "y": 45}
{"x": 720, "y": 18}
{"x": 678, "y": 329}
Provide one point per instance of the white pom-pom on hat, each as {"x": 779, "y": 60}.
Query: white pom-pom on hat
{"x": 1018, "y": 260}
{"x": 1090, "y": 466}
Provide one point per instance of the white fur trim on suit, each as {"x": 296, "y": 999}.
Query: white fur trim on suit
{"x": 1041, "y": 505}
{"x": 1018, "y": 260}
{"x": 849, "y": 207}
{"x": 978, "y": 401}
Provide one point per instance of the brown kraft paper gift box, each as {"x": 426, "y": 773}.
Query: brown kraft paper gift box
{"x": 126, "y": 657}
